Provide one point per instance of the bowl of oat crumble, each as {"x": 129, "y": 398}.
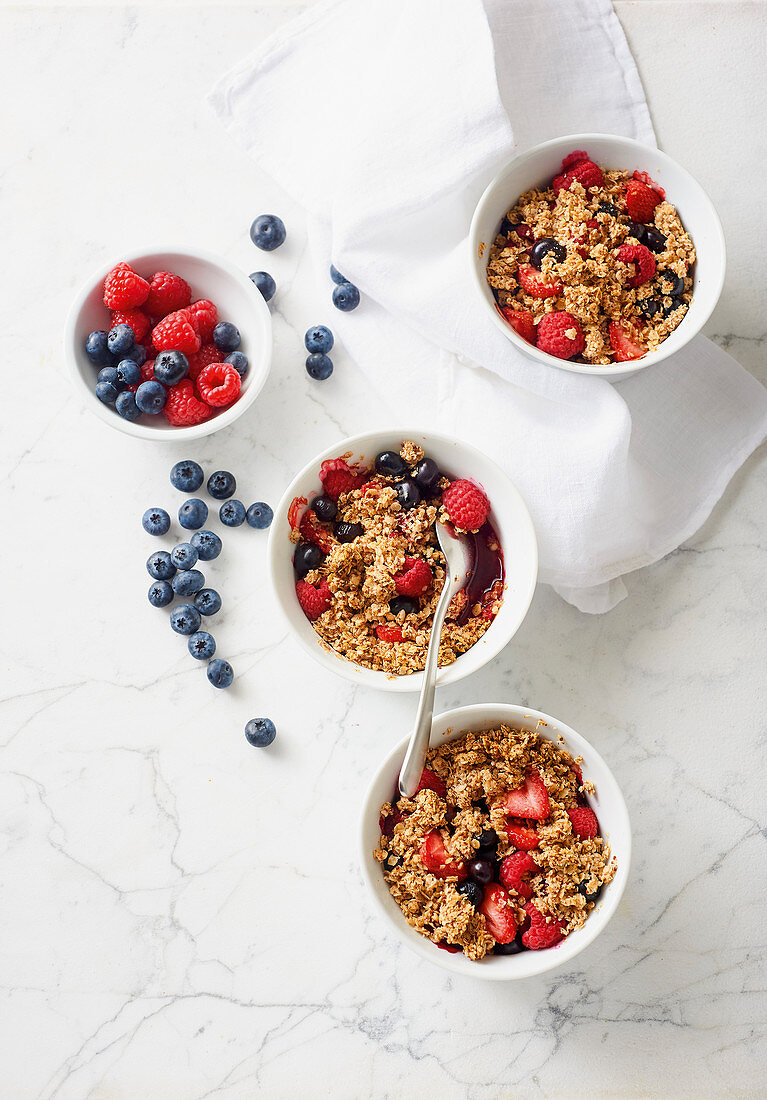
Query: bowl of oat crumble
{"x": 357, "y": 569}
{"x": 597, "y": 254}
{"x": 512, "y": 856}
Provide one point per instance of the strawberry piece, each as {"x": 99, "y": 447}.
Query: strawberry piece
{"x": 540, "y": 934}
{"x": 294, "y": 511}
{"x": 644, "y": 178}
{"x": 466, "y": 505}
{"x": 512, "y": 870}
{"x": 537, "y": 285}
{"x": 435, "y": 858}
{"x": 531, "y": 800}
{"x": 584, "y": 822}
{"x": 642, "y": 259}
{"x": 124, "y": 289}
{"x": 430, "y": 781}
{"x": 314, "y": 601}
{"x": 338, "y": 477}
{"x": 415, "y": 579}
{"x": 522, "y": 321}
{"x": 522, "y": 836}
{"x": 641, "y": 201}
{"x": 310, "y": 531}
{"x": 625, "y": 342}
{"x": 388, "y": 633}
{"x": 560, "y": 334}
{"x": 499, "y": 918}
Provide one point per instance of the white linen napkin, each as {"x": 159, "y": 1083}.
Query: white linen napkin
{"x": 386, "y": 121}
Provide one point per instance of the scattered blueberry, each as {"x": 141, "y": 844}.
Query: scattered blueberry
{"x": 264, "y": 282}
{"x": 544, "y": 247}
{"x": 187, "y": 582}
{"x": 336, "y": 276}
{"x": 201, "y": 645}
{"x": 319, "y": 367}
{"x": 160, "y": 566}
{"x": 408, "y": 494}
{"x": 348, "y": 532}
{"x": 185, "y": 619}
{"x": 648, "y": 307}
{"x": 121, "y": 339}
{"x": 232, "y": 513}
{"x": 608, "y": 208}
{"x": 106, "y": 392}
{"x": 128, "y": 372}
{"x": 267, "y": 232}
{"x": 160, "y": 594}
{"x": 207, "y": 601}
{"x": 151, "y": 397}
{"x": 672, "y": 307}
{"x": 488, "y": 838}
{"x": 472, "y": 891}
{"x": 155, "y": 521}
{"x": 325, "y": 508}
{"x": 654, "y": 239}
{"x": 109, "y": 374}
{"x": 426, "y": 475}
{"x": 403, "y": 603}
{"x": 97, "y": 349}
{"x": 512, "y": 948}
{"x": 220, "y": 673}
{"x": 390, "y": 464}
{"x": 239, "y": 360}
{"x": 192, "y": 514}
{"x": 319, "y": 338}
{"x": 583, "y": 889}
{"x": 221, "y": 485}
{"x": 481, "y": 870}
{"x": 184, "y": 556}
{"x": 186, "y": 476}
{"x": 170, "y": 367}
{"x": 207, "y": 544}
{"x": 636, "y": 230}
{"x": 259, "y": 515}
{"x": 307, "y": 556}
{"x": 260, "y": 732}
{"x": 346, "y": 297}
{"x": 226, "y": 336}
{"x": 137, "y": 355}
{"x": 671, "y": 283}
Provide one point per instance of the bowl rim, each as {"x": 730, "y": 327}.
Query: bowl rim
{"x": 147, "y": 431}
{"x": 375, "y": 678}
{"x": 456, "y": 721}
{"x": 618, "y": 371}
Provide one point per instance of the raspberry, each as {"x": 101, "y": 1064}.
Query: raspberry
{"x": 415, "y": 579}
{"x": 338, "y": 477}
{"x": 584, "y": 822}
{"x": 522, "y": 321}
{"x": 521, "y": 836}
{"x": 466, "y": 505}
{"x": 167, "y": 293}
{"x": 310, "y": 532}
{"x": 625, "y": 342}
{"x": 512, "y": 870}
{"x": 537, "y": 285}
{"x": 388, "y": 633}
{"x": 560, "y": 334}
{"x": 198, "y": 360}
{"x": 585, "y": 172}
{"x": 641, "y": 201}
{"x": 642, "y": 259}
{"x": 540, "y": 934}
{"x": 430, "y": 781}
{"x": 314, "y": 601}
{"x": 576, "y": 157}
{"x": 124, "y": 289}
{"x": 183, "y": 408}
{"x": 175, "y": 333}
{"x": 204, "y": 318}
{"x": 137, "y": 320}
{"x": 644, "y": 178}
{"x": 219, "y": 384}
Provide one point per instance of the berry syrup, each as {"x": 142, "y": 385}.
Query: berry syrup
{"x": 486, "y": 574}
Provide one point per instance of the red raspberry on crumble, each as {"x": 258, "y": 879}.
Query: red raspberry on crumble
{"x": 436, "y": 859}
{"x": 314, "y": 601}
{"x": 175, "y": 333}
{"x": 540, "y": 934}
{"x": 124, "y": 289}
{"x": 415, "y": 579}
{"x": 537, "y": 285}
{"x": 514, "y": 871}
{"x": 219, "y": 384}
{"x": 183, "y": 408}
{"x": 338, "y": 477}
{"x": 560, "y": 334}
{"x": 466, "y": 505}
{"x": 643, "y": 261}
{"x": 624, "y": 340}
{"x": 641, "y": 201}
{"x": 522, "y": 321}
{"x": 167, "y": 294}
{"x": 585, "y": 172}
{"x": 584, "y": 822}
{"x": 204, "y": 317}
{"x": 134, "y": 318}
{"x": 576, "y": 157}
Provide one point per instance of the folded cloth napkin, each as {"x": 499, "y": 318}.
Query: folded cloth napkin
{"x": 386, "y": 121}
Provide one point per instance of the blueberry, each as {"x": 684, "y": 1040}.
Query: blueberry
{"x": 187, "y": 582}
{"x": 336, "y": 276}
{"x": 654, "y": 239}
{"x": 259, "y": 515}
{"x": 155, "y": 521}
{"x": 267, "y": 232}
{"x": 221, "y": 485}
{"x": 137, "y": 355}
{"x": 226, "y": 337}
{"x": 128, "y": 372}
{"x": 403, "y": 603}
{"x": 672, "y": 307}
{"x": 319, "y": 367}
{"x": 109, "y": 374}
{"x": 506, "y": 226}
{"x": 426, "y": 475}
{"x": 472, "y": 891}
{"x": 512, "y": 948}
{"x": 186, "y": 476}
{"x": 239, "y": 360}
{"x": 184, "y": 556}
{"x": 120, "y": 339}
{"x": 260, "y": 732}
{"x": 346, "y": 297}
{"x": 220, "y": 673}
{"x": 648, "y": 307}
{"x": 671, "y": 284}
{"x": 408, "y": 494}
{"x": 544, "y": 247}
{"x": 348, "y": 532}
{"x": 97, "y": 349}
{"x": 192, "y": 514}
{"x": 160, "y": 566}
{"x": 232, "y": 513}
{"x": 185, "y": 619}
{"x": 207, "y": 601}
{"x": 488, "y": 838}
{"x": 325, "y": 508}
{"x": 170, "y": 367}
{"x": 160, "y": 594}
{"x": 106, "y": 392}
{"x": 207, "y": 544}
{"x": 201, "y": 645}
{"x": 481, "y": 870}
{"x": 608, "y": 208}
{"x": 390, "y": 464}
{"x": 637, "y": 230}
{"x": 265, "y": 283}
{"x": 583, "y": 889}
{"x": 151, "y": 397}
{"x": 319, "y": 338}
{"x": 306, "y": 557}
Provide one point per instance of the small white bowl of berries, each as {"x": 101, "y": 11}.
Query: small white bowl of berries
{"x": 170, "y": 343}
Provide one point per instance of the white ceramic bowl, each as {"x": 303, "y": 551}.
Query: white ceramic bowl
{"x": 508, "y": 515}
{"x": 209, "y": 276}
{"x": 608, "y": 805}
{"x": 538, "y": 166}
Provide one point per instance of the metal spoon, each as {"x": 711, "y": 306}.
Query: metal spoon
{"x": 457, "y": 567}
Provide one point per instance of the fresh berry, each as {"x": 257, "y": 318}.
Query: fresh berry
{"x": 107, "y": 392}
{"x": 513, "y": 869}
{"x": 540, "y": 934}
{"x": 583, "y": 888}
{"x": 313, "y": 601}
{"x": 155, "y": 521}
{"x": 128, "y": 373}
{"x": 390, "y": 634}
{"x": 408, "y": 494}
{"x": 124, "y": 289}
{"x": 390, "y": 464}
{"x": 530, "y": 800}
{"x": 232, "y": 513}
{"x": 347, "y": 532}
{"x": 310, "y": 531}
{"x": 267, "y": 232}
{"x": 160, "y": 594}
{"x": 170, "y": 367}
{"x": 466, "y": 505}
{"x": 487, "y": 841}
{"x": 670, "y": 283}
{"x": 512, "y": 948}
{"x": 430, "y": 781}
{"x": 238, "y": 360}
{"x": 654, "y": 239}
{"x": 324, "y": 508}
{"x": 547, "y": 246}
{"x": 96, "y": 348}
{"x": 672, "y": 307}
{"x": 185, "y": 619}
{"x": 643, "y": 261}
{"x": 259, "y": 515}
{"x": 584, "y": 822}
{"x": 522, "y": 837}
{"x": 307, "y": 556}
{"x": 403, "y": 603}
{"x": 319, "y": 367}
{"x": 346, "y": 297}
{"x": 226, "y": 337}
{"x": 608, "y": 208}
{"x": 637, "y": 231}
{"x": 338, "y": 477}
{"x": 151, "y": 397}
{"x": 136, "y": 319}
{"x": 187, "y": 582}
{"x": 260, "y": 732}
{"x": 201, "y": 359}
{"x": 192, "y": 514}
{"x": 585, "y": 172}
{"x": 426, "y": 475}
{"x": 201, "y": 645}
{"x": 499, "y": 918}
{"x": 207, "y": 601}
{"x": 186, "y": 476}
{"x": 336, "y": 276}
{"x": 183, "y": 408}
{"x": 221, "y": 485}
{"x": 472, "y": 891}
{"x": 220, "y": 673}
{"x": 435, "y": 858}
{"x": 415, "y": 578}
{"x": 184, "y": 555}
{"x": 649, "y": 182}
{"x": 576, "y": 157}
{"x": 388, "y": 823}
{"x": 319, "y": 338}
{"x": 167, "y": 294}
{"x": 625, "y": 342}
{"x": 207, "y": 544}
{"x": 537, "y": 285}
{"x": 176, "y": 333}
{"x": 560, "y": 334}
{"x": 120, "y": 340}
{"x": 219, "y": 384}
{"x": 481, "y": 870}
{"x": 159, "y": 566}
{"x": 641, "y": 201}
{"x": 204, "y": 317}
{"x": 265, "y": 283}
{"x": 522, "y": 321}
{"x": 138, "y": 354}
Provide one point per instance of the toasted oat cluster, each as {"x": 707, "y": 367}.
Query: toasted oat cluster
{"x": 498, "y": 851}
{"x": 595, "y": 267}
{"x": 369, "y": 569}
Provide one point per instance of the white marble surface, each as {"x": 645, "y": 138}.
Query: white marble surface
{"x": 182, "y": 916}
